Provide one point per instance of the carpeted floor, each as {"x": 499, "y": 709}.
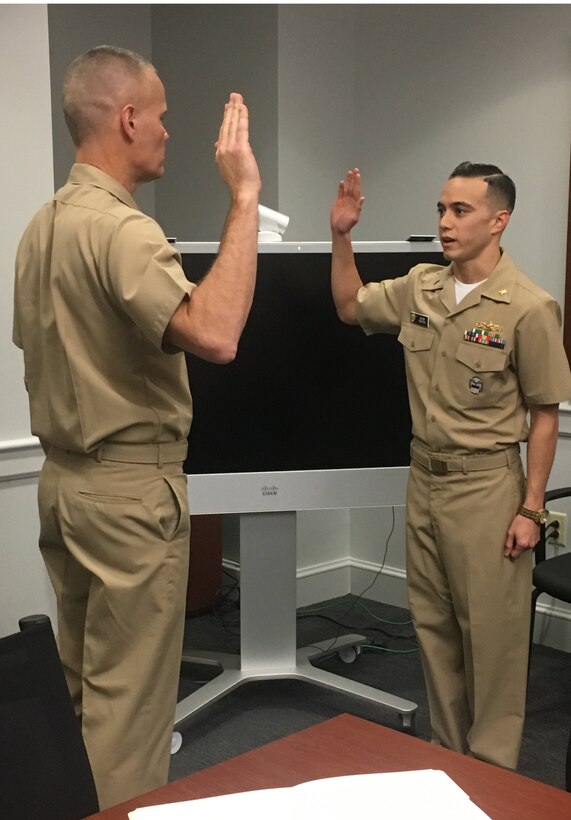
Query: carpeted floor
{"x": 259, "y": 712}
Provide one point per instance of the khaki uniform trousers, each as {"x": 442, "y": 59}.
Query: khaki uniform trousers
{"x": 470, "y": 605}
{"x": 115, "y": 540}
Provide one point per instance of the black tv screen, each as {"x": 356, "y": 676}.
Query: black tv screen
{"x": 305, "y": 392}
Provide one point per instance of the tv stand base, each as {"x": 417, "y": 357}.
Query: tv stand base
{"x": 268, "y": 627}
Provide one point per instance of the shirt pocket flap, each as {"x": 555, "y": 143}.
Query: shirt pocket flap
{"x": 415, "y": 338}
{"x": 481, "y": 358}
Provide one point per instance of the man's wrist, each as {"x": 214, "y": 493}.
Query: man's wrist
{"x": 537, "y": 515}
{"x": 341, "y": 236}
{"x": 246, "y": 199}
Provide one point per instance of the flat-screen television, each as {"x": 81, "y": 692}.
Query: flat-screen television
{"x": 312, "y": 413}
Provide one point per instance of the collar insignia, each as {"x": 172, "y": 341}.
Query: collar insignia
{"x": 502, "y": 292}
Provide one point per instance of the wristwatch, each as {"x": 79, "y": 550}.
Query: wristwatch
{"x": 539, "y": 516}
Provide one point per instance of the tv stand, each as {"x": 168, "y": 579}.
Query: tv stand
{"x": 268, "y": 627}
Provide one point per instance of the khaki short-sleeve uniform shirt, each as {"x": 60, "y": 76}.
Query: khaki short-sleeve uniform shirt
{"x": 96, "y": 286}
{"x": 474, "y": 368}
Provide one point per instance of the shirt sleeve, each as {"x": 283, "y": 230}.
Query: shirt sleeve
{"x": 542, "y": 365}
{"x": 380, "y": 304}
{"x": 146, "y": 275}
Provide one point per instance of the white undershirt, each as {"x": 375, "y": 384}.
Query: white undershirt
{"x": 463, "y": 289}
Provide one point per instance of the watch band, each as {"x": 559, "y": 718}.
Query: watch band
{"x": 539, "y": 516}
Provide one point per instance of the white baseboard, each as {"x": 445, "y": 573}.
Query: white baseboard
{"x": 552, "y": 625}
{"x": 323, "y": 581}
{"x": 379, "y": 583}
{"x": 326, "y": 580}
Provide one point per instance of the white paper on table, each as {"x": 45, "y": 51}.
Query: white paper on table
{"x": 429, "y": 794}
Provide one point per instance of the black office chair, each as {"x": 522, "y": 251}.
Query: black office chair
{"x": 44, "y": 769}
{"x": 552, "y": 576}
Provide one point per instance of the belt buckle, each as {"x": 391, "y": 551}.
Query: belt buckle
{"x": 438, "y": 467}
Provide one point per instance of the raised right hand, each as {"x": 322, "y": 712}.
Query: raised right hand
{"x": 234, "y": 156}
{"x": 346, "y": 210}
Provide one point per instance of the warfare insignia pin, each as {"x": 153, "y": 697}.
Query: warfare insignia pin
{"x": 489, "y": 326}
{"x": 476, "y": 385}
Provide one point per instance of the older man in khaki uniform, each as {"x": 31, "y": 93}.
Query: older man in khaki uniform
{"x": 103, "y": 312}
{"x": 483, "y": 349}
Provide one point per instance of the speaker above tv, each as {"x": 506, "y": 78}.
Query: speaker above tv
{"x": 312, "y": 413}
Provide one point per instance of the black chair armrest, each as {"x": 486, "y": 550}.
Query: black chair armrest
{"x": 550, "y": 495}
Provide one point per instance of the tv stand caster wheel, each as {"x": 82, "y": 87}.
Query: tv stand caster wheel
{"x": 349, "y": 654}
{"x": 176, "y": 742}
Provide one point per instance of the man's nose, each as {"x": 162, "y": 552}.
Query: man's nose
{"x": 444, "y": 220}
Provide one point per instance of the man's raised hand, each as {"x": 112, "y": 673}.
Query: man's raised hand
{"x": 346, "y": 210}
{"x": 234, "y": 156}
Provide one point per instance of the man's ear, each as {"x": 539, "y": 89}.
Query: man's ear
{"x": 127, "y": 118}
{"x": 500, "y": 221}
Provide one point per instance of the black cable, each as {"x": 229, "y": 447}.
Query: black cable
{"x": 353, "y": 628}
{"x": 377, "y": 574}
{"x": 551, "y": 529}
{"x": 317, "y": 609}
{"x": 357, "y": 601}
{"x": 375, "y": 648}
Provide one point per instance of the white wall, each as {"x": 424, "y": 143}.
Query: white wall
{"x": 202, "y": 53}
{"x": 316, "y": 113}
{"x": 27, "y": 177}
{"x": 26, "y": 147}
{"x": 435, "y": 85}
{"x": 73, "y": 30}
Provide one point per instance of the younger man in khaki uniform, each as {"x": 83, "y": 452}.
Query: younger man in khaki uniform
{"x": 482, "y": 348}
{"x": 103, "y": 312}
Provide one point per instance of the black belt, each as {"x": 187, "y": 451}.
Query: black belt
{"x": 443, "y": 463}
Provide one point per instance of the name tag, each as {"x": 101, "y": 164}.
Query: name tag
{"x": 419, "y": 319}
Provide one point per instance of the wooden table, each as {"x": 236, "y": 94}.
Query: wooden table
{"x": 350, "y": 745}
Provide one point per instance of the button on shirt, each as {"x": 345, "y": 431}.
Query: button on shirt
{"x": 96, "y": 286}
{"x": 466, "y": 394}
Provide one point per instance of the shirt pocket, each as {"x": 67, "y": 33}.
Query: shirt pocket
{"x": 416, "y": 339}
{"x": 482, "y": 376}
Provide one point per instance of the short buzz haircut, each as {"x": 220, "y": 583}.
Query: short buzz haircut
{"x": 500, "y": 185}
{"x": 91, "y": 84}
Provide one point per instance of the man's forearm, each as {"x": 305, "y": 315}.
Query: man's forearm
{"x": 228, "y": 290}
{"x": 209, "y": 325}
{"x": 523, "y": 533}
{"x": 345, "y": 279}
{"x": 541, "y": 446}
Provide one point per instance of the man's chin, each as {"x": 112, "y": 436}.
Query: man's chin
{"x": 451, "y": 253}
{"x": 151, "y": 176}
